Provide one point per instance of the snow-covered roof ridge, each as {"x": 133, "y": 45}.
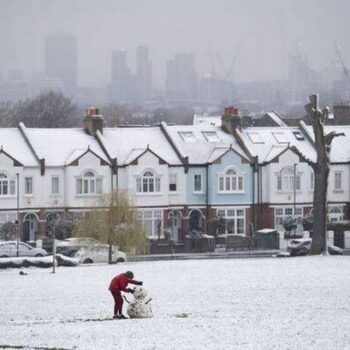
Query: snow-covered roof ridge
{"x": 276, "y": 118}
{"x": 26, "y": 135}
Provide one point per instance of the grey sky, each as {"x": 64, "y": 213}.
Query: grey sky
{"x": 265, "y": 31}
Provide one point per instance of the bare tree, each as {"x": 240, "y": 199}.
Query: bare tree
{"x": 47, "y": 110}
{"x": 322, "y": 146}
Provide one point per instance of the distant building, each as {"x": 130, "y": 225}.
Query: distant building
{"x": 61, "y": 60}
{"x": 121, "y": 77}
{"x": 143, "y": 75}
{"x": 181, "y": 78}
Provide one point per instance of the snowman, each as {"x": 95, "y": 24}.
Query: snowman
{"x": 140, "y": 307}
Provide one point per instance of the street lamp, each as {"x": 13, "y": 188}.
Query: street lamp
{"x": 17, "y": 221}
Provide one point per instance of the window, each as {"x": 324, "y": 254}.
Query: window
{"x": 312, "y": 180}
{"x": 255, "y": 137}
{"x": 7, "y": 186}
{"x": 172, "y": 183}
{"x": 28, "y": 185}
{"x": 282, "y": 213}
{"x": 211, "y": 136}
{"x": 298, "y": 135}
{"x": 187, "y": 136}
{"x": 335, "y": 213}
{"x": 231, "y": 181}
{"x": 89, "y": 184}
{"x": 280, "y": 137}
{"x": 152, "y": 221}
{"x": 198, "y": 183}
{"x": 148, "y": 183}
{"x": 337, "y": 181}
{"x": 55, "y": 185}
{"x": 285, "y": 180}
{"x": 234, "y": 220}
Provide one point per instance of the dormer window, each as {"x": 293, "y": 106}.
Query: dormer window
{"x": 188, "y": 136}
{"x": 211, "y": 136}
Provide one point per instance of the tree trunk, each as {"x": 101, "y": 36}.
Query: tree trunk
{"x": 320, "y": 210}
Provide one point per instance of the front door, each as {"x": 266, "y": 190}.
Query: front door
{"x": 196, "y": 221}
{"x": 30, "y": 227}
{"x": 174, "y": 224}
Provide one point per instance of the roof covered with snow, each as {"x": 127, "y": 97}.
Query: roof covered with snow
{"x": 59, "y": 146}
{"x": 340, "y": 147}
{"x": 202, "y": 143}
{"x": 13, "y": 143}
{"x": 214, "y": 120}
{"x": 128, "y": 143}
{"x": 269, "y": 142}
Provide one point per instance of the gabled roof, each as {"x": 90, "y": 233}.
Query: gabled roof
{"x": 127, "y": 143}
{"x": 79, "y": 153}
{"x": 218, "y": 153}
{"x": 201, "y": 149}
{"x": 56, "y": 145}
{"x": 15, "y": 145}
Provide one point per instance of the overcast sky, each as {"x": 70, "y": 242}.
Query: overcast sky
{"x": 259, "y": 33}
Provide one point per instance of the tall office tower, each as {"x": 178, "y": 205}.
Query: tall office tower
{"x": 121, "y": 77}
{"x": 143, "y": 74}
{"x": 181, "y": 78}
{"x": 61, "y": 60}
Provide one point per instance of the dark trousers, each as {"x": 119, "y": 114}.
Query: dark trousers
{"x": 118, "y": 303}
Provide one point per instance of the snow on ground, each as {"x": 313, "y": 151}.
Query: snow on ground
{"x": 290, "y": 303}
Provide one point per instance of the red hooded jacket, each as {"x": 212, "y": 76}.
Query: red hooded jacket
{"x": 120, "y": 282}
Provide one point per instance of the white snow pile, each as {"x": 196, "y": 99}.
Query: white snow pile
{"x": 140, "y": 307}
{"x": 46, "y": 261}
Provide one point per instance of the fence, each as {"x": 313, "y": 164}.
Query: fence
{"x": 260, "y": 241}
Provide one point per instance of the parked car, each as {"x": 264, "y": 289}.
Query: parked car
{"x": 70, "y": 246}
{"x": 99, "y": 254}
{"x": 299, "y": 246}
{"x": 8, "y": 249}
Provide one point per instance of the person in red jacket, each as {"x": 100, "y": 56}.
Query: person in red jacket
{"x": 119, "y": 284}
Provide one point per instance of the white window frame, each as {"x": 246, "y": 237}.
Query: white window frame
{"x": 338, "y": 182}
{"x": 231, "y": 181}
{"x": 148, "y": 182}
{"x": 200, "y": 177}
{"x": 152, "y": 220}
{"x": 53, "y": 178}
{"x": 280, "y": 213}
{"x": 238, "y": 217}
{"x": 8, "y": 185}
{"x": 173, "y": 182}
{"x": 89, "y": 184}
{"x": 28, "y": 185}
{"x": 285, "y": 180}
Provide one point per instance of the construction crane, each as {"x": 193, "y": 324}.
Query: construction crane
{"x": 341, "y": 60}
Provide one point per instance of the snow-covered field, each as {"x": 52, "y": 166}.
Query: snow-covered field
{"x": 291, "y": 303}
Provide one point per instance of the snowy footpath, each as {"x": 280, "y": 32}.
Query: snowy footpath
{"x": 287, "y": 303}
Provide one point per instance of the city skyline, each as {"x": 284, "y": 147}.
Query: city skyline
{"x": 258, "y": 36}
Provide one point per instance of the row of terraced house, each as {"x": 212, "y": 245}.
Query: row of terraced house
{"x": 179, "y": 176}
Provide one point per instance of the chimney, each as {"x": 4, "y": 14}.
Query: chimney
{"x": 231, "y": 119}
{"x": 93, "y": 121}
